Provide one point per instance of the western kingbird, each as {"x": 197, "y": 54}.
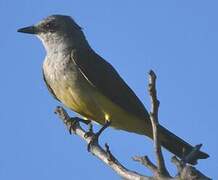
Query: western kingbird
{"x": 87, "y": 84}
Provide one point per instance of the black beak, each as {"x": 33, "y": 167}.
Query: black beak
{"x": 29, "y": 30}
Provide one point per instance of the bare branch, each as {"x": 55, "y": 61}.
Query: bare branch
{"x": 154, "y": 120}
{"x": 144, "y": 160}
{"x": 98, "y": 151}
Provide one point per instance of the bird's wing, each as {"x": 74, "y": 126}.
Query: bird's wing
{"x": 49, "y": 87}
{"x": 105, "y": 78}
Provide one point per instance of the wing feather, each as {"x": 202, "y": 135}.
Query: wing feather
{"x": 105, "y": 78}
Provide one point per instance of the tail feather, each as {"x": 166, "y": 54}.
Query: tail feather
{"x": 178, "y": 146}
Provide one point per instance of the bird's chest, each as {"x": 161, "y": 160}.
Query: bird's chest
{"x": 69, "y": 85}
{"x": 60, "y": 71}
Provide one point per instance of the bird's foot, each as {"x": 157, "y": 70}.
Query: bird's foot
{"x": 90, "y": 132}
{"x": 74, "y": 121}
{"x": 95, "y": 136}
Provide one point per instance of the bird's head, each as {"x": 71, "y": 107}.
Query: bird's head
{"x": 51, "y": 25}
{"x": 55, "y": 29}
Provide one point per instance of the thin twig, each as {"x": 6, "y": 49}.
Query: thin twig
{"x": 144, "y": 160}
{"x": 154, "y": 120}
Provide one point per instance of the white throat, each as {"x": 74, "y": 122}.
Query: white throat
{"x": 54, "y": 43}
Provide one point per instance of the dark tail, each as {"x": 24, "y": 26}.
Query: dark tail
{"x": 178, "y": 146}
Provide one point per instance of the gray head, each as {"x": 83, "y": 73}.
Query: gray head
{"x": 56, "y": 29}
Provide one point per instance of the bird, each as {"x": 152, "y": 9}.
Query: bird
{"x": 87, "y": 84}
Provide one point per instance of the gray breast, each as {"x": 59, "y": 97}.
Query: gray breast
{"x": 70, "y": 86}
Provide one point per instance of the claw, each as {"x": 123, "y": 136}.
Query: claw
{"x": 94, "y": 140}
{"x": 90, "y": 130}
{"x": 73, "y": 123}
{"x": 95, "y": 137}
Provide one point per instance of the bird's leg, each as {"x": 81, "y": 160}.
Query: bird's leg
{"x": 90, "y": 127}
{"x": 74, "y": 122}
{"x": 95, "y": 136}
{"x": 90, "y": 130}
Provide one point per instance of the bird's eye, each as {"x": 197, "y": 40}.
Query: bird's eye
{"x": 48, "y": 25}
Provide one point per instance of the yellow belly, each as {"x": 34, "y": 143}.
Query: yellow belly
{"x": 91, "y": 104}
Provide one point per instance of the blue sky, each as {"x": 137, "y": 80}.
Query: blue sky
{"x": 177, "y": 39}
